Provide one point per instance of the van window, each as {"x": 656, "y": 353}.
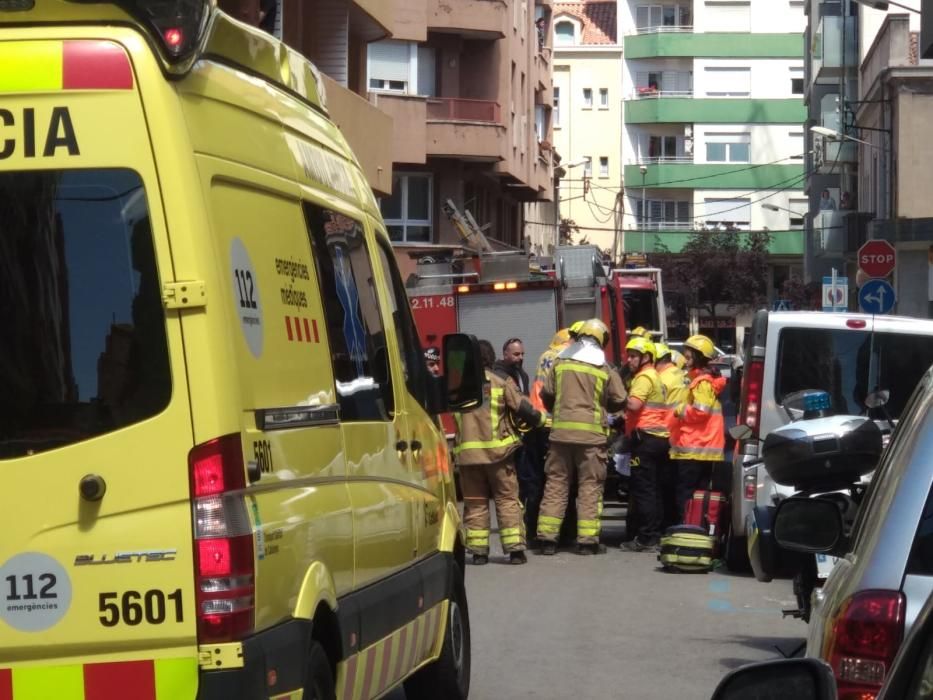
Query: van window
{"x": 84, "y": 348}
{"x": 850, "y": 364}
{"x": 411, "y": 352}
{"x": 920, "y": 561}
{"x": 351, "y": 306}
{"x": 641, "y": 308}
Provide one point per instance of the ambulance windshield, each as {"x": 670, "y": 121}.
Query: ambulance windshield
{"x": 83, "y": 350}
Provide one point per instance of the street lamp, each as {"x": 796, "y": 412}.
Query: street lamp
{"x": 834, "y": 135}
{"x": 643, "y": 169}
{"x": 775, "y": 207}
{"x": 883, "y": 5}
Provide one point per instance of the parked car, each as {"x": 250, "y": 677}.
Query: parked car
{"x": 909, "y": 678}
{"x": 848, "y": 355}
{"x": 885, "y": 572}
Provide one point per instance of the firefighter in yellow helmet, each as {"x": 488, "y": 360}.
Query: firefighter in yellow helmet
{"x": 646, "y": 418}
{"x": 639, "y": 332}
{"x": 531, "y": 484}
{"x": 485, "y": 446}
{"x": 674, "y": 385}
{"x": 697, "y": 426}
{"x": 579, "y": 390}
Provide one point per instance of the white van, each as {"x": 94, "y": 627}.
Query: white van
{"x": 847, "y": 355}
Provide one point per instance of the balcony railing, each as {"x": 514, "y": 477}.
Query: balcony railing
{"x": 664, "y": 226}
{"x": 459, "y": 109}
{"x": 665, "y": 29}
{"x": 654, "y": 160}
{"x": 645, "y": 93}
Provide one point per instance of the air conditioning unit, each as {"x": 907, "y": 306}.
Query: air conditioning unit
{"x": 688, "y": 130}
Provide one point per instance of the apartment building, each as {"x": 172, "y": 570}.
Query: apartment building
{"x": 468, "y": 87}
{"x": 713, "y": 133}
{"x": 587, "y": 117}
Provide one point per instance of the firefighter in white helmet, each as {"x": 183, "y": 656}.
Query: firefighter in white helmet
{"x": 579, "y": 390}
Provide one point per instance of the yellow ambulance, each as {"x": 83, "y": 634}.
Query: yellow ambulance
{"x": 223, "y": 477}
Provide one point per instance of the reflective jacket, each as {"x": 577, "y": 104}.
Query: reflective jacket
{"x": 487, "y": 434}
{"x": 653, "y": 416}
{"x": 674, "y": 383}
{"x": 545, "y": 362}
{"x": 578, "y": 395}
{"x": 697, "y": 426}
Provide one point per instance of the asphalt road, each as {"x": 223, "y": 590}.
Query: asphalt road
{"x": 617, "y": 626}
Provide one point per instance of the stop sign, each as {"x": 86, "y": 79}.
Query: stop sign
{"x": 876, "y": 258}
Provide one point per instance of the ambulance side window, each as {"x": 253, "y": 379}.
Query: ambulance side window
{"x": 411, "y": 352}
{"x": 358, "y": 347}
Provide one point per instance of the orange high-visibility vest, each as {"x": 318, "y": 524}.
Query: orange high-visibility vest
{"x": 653, "y": 416}
{"x": 698, "y": 433}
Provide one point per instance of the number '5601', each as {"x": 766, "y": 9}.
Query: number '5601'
{"x": 133, "y": 608}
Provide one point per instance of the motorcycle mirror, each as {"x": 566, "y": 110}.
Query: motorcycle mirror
{"x": 805, "y": 678}
{"x": 740, "y": 432}
{"x": 808, "y": 524}
{"x": 877, "y": 399}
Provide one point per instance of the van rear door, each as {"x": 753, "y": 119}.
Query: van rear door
{"x": 96, "y": 572}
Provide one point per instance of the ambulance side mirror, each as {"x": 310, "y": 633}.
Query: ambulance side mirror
{"x": 463, "y": 372}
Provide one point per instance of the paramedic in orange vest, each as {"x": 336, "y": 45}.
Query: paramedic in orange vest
{"x": 485, "y": 446}
{"x": 646, "y": 417}
{"x": 674, "y": 384}
{"x": 697, "y": 426}
{"x": 531, "y": 485}
{"x": 579, "y": 390}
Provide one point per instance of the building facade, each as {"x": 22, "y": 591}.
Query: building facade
{"x": 587, "y": 118}
{"x": 468, "y": 88}
{"x": 713, "y": 123}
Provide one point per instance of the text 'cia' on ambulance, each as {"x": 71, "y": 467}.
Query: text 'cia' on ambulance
{"x": 223, "y": 474}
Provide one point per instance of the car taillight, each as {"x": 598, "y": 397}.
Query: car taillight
{"x": 754, "y": 382}
{"x": 865, "y": 635}
{"x": 223, "y": 541}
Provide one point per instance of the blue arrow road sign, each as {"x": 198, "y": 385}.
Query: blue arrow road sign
{"x": 876, "y": 297}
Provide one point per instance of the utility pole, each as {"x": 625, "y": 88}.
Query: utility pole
{"x": 644, "y": 218}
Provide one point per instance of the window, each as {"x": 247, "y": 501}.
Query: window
{"x": 358, "y": 348}
{"x": 797, "y": 148}
{"x": 564, "y": 33}
{"x": 657, "y": 17}
{"x": 728, "y": 82}
{"x": 663, "y": 214}
{"x": 389, "y": 65}
{"x": 603, "y": 166}
{"x": 604, "y": 98}
{"x": 796, "y": 80}
{"x": 587, "y": 166}
{"x": 587, "y": 98}
{"x": 675, "y": 82}
{"x": 663, "y": 148}
{"x": 556, "y": 111}
{"x": 729, "y": 15}
{"x": 727, "y": 214}
{"x": 427, "y": 71}
{"x": 407, "y": 212}
{"x": 416, "y": 377}
{"x": 85, "y": 349}
{"x": 728, "y": 148}
{"x": 798, "y": 209}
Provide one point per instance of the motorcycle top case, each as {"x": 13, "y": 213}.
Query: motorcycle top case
{"x": 830, "y": 452}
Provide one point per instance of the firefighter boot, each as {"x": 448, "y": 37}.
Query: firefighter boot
{"x": 517, "y": 558}
{"x": 591, "y": 548}
{"x": 480, "y": 559}
{"x": 548, "y": 548}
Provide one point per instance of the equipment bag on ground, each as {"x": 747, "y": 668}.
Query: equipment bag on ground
{"x": 707, "y": 510}
{"x": 687, "y": 548}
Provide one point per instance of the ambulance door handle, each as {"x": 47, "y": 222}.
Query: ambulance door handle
{"x": 401, "y": 446}
{"x": 416, "y": 448}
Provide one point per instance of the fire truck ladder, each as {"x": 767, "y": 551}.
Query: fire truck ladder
{"x": 466, "y": 226}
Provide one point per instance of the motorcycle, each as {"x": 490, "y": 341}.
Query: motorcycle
{"x": 818, "y": 453}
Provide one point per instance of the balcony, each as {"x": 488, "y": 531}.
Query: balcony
{"x": 712, "y": 176}
{"x": 714, "y": 110}
{"x": 834, "y": 48}
{"x": 673, "y": 241}
{"x": 463, "y": 110}
{"x": 830, "y": 155}
{"x": 712, "y": 45}
{"x": 465, "y": 129}
{"x": 474, "y": 19}
{"x": 650, "y": 93}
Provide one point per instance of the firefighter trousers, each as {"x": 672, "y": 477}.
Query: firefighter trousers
{"x": 564, "y": 460}
{"x": 479, "y": 482}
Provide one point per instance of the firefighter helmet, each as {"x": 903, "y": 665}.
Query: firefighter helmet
{"x": 574, "y": 329}
{"x": 596, "y": 329}
{"x": 702, "y": 345}
{"x": 661, "y": 351}
{"x": 641, "y": 345}
{"x": 561, "y": 338}
{"x": 640, "y": 332}
{"x": 678, "y": 358}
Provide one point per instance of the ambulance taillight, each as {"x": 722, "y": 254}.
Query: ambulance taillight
{"x": 224, "y": 557}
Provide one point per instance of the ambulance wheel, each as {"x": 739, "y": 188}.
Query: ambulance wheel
{"x": 736, "y": 554}
{"x": 320, "y": 682}
{"x": 448, "y": 677}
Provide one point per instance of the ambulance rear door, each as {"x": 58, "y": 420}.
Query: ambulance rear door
{"x": 96, "y": 572}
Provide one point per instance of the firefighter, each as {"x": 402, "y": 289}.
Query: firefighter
{"x": 432, "y": 358}
{"x": 531, "y": 483}
{"x": 674, "y": 386}
{"x": 697, "y": 425}
{"x": 485, "y": 446}
{"x": 646, "y": 417}
{"x": 578, "y": 391}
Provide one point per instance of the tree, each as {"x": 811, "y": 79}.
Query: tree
{"x": 567, "y": 228}
{"x": 718, "y": 267}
